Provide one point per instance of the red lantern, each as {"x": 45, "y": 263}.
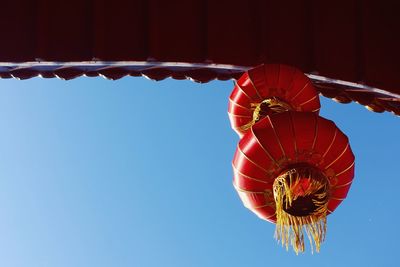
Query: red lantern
{"x": 269, "y": 89}
{"x": 293, "y": 169}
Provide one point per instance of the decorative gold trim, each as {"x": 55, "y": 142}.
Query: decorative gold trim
{"x": 274, "y": 104}
{"x": 276, "y": 136}
{"x": 235, "y": 169}
{"x": 336, "y": 198}
{"x": 342, "y": 185}
{"x": 248, "y": 191}
{"x": 255, "y": 88}
{"x": 255, "y": 164}
{"x": 308, "y": 101}
{"x": 236, "y": 104}
{"x": 241, "y": 89}
{"x": 299, "y": 92}
{"x": 329, "y": 147}
{"x": 263, "y": 206}
{"x": 238, "y": 116}
{"x": 291, "y": 229}
{"x": 263, "y": 148}
{"x": 291, "y": 81}
{"x": 294, "y": 135}
{"x": 315, "y": 133}
{"x": 337, "y": 158}
{"x": 345, "y": 170}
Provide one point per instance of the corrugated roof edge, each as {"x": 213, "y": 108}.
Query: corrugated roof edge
{"x": 374, "y": 99}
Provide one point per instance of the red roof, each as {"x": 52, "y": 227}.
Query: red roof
{"x": 353, "y": 43}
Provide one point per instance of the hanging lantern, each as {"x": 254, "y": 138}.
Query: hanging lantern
{"x": 293, "y": 169}
{"x": 269, "y": 89}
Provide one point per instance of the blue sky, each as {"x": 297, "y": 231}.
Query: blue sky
{"x": 138, "y": 173}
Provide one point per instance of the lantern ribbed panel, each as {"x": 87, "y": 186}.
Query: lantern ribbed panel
{"x": 266, "y": 81}
{"x": 282, "y": 140}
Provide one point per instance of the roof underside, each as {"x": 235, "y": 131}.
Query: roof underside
{"x": 350, "y": 49}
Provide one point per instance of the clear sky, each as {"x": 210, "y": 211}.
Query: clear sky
{"x": 138, "y": 173}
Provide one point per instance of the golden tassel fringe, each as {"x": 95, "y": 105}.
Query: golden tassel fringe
{"x": 273, "y": 103}
{"x": 290, "y": 228}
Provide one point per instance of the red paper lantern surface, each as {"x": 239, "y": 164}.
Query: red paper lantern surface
{"x": 281, "y": 141}
{"x": 287, "y": 86}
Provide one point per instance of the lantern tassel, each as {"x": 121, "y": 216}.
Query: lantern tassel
{"x": 292, "y": 221}
{"x": 265, "y": 107}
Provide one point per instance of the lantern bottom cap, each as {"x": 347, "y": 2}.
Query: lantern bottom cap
{"x": 301, "y": 199}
